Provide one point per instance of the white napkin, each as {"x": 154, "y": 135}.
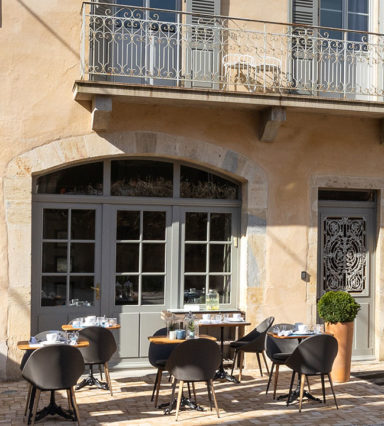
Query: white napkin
{"x": 284, "y": 332}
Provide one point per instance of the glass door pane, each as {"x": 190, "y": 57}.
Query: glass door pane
{"x": 140, "y": 257}
{"x": 68, "y": 253}
{"x": 207, "y": 254}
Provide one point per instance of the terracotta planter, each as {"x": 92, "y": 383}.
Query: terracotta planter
{"x": 343, "y": 332}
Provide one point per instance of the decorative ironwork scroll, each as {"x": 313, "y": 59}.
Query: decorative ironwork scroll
{"x": 135, "y": 45}
{"x": 345, "y": 256}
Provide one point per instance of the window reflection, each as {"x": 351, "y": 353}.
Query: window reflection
{"x": 86, "y": 179}
{"x": 127, "y": 290}
{"x": 139, "y": 178}
{"x": 152, "y": 292}
{"x": 53, "y": 291}
{"x": 195, "y": 183}
{"x": 81, "y": 292}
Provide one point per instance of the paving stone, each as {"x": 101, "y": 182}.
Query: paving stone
{"x": 360, "y": 403}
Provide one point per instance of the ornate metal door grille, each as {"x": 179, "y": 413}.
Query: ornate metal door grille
{"x": 345, "y": 255}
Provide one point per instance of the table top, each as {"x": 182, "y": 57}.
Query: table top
{"x": 294, "y": 336}
{"x": 24, "y": 345}
{"x": 69, "y": 327}
{"x": 167, "y": 340}
{"x": 223, "y": 324}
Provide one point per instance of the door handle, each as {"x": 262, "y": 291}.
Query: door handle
{"x": 97, "y": 290}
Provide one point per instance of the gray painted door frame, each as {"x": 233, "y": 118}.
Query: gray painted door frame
{"x": 52, "y": 317}
{"x": 137, "y": 322}
{"x": 331, "y": 215}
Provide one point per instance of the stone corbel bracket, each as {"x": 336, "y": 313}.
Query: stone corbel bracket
{"x": 101, "y": 112}
{"x": 270, "y": 122}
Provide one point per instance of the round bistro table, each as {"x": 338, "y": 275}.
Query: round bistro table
{"x": 69, "y": 327}
{"x": 221, "y": 373}
{"x": 91, "y": 380}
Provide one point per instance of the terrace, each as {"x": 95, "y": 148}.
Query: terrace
{"x": 169, "y": 56}
{"x": 360, "y": 402}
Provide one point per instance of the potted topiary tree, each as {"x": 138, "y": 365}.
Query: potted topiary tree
{"x": 338, "y": 309}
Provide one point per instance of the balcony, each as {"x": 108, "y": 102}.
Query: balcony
{"x": 177, "y": 56}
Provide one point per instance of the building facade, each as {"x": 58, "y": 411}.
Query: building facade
{"x": 153, "y": 150}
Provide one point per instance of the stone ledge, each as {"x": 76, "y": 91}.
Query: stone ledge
{"x": 87, "y": 90}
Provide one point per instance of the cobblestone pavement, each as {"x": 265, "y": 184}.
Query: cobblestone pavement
{"x": 360, "y": 402}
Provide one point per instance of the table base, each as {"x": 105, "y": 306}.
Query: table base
{"x": 296, "y": 395}
{"x": 185, "y": 402}
{"x": 221, "y": 374}
{"x": 51, "y": 410}
{"x": 92, "y": 381}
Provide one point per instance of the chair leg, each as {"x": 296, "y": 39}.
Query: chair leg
{"x": 209, "y": 396}
{"x": 101, "y": 372}
{"x": 270, "y": 378}
{"x": 179, "y": 398}
{"x": 234, "y": 361}
{"x": 70, "y": 407}
{"x": 290, "y": 387}
{"x": 275, "y": 381}
{"x": 155, "y": 384}
{"x": 258, "y": 360}
{"x": 108, "y": 377}
{"x": 28, "y": 398}
{"x": 172, "y": 394}
{"x": 302, "y": 381}
{"x": 194, "y": 391}
{"x": 159, "y": 377}
{"x": 74, "y": 404}
{"x": 309, "y": 387}
{"x": 333, "y": 392}
{"x": 323, "y": 387}
{"x": 214, "y": 398}
{"x": 265, "y": 361}
{"x": 189, "y": 390}
{"x": 35, "y": 405}
{"x": 241, "y": 359}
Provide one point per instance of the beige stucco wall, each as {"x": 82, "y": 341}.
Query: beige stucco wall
{"x": 42, "y": 127}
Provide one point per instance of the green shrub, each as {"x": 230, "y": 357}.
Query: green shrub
{"x": 337, "y": 306}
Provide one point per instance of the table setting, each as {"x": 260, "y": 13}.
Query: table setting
{"x": 210, "y": 319}
{"x": 53, "y": 338}
{"x": 299, "y": 330}
{"x": 91, "y": 321}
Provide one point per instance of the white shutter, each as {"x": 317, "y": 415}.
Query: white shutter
{"x": 304, "y": 69}
{"x": 202, "y": 53}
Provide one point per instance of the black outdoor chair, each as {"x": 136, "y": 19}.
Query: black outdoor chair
{"x": 40, "y": 337}
{"x": 253, "y": 342}
{"x": 194, "y": 360}
{"x": 278, "y": 351}
{"x": 102, "y": 346}
{"x": 52, "y": 368}
{"x": 158, "y": 355}
{"x": 313, "y": 357}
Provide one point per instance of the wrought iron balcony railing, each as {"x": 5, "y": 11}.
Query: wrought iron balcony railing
{"x": 158, "y": 47}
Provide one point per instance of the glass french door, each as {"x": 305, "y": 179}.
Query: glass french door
{"x": 139, "y": 271}
{"x": 67, "y": 269}
{"x": 209, "y": 254}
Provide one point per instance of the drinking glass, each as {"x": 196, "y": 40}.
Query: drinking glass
{"x": 73, "y": 337}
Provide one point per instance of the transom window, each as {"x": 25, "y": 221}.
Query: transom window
{"x": 138, "y": 178}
